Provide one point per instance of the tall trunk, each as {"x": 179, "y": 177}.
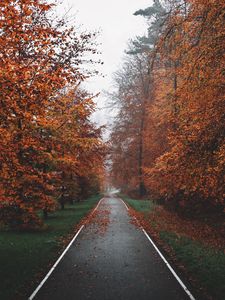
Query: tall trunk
{"x": 142, "y": 190}
{"x": 62, "y": 204}
{"x": 45, "y": 213}
{"x": 175, "y": 102}
{"x": 146, "y": 92}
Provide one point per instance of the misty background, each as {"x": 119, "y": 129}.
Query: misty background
{"x": 116, "y": 24}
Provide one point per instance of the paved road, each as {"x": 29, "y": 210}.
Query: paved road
{"x": 111, "y": 261}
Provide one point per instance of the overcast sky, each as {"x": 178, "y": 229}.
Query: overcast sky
{"x": 117, "y": 24}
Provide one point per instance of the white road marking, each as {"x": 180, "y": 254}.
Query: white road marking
{"x": 55, "y": 265}
{"x": 60, "y": 258}
{"x": 148, "y": 237}
{"x": 163, "y": 258}
{"x": 124, "y": 204}
{"x": 170, "y": 268}
{"x": 100, "y": 201}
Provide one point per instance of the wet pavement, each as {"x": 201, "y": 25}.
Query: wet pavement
{"x": 111, "y": 260}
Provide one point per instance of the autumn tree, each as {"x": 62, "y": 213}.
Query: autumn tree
{"x": 135, "y": 86}
{"x": 78, "y": 149}
{"x": 191, "y": 172}
{"x": 183, "y": 158}
{"x": 127, "y": 138}
{"x": 40, "y": 55}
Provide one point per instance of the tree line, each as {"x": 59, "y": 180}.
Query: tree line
{"x": 50, "y": 151}
{"x": 168, "y": 137}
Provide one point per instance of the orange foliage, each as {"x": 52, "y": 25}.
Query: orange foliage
{"x": 42, "y": 133}
{"x": 190, "y": 172}
{"x": 183, "y": 149}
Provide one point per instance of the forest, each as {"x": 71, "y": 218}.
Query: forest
{"x": 167, "y": 141}
{"x": 132, "y": 210}
{"x": 50, "y": 151}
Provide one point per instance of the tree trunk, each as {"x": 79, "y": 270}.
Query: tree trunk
{"x": 142, "y": 190}
{"x": 45, "y": 213}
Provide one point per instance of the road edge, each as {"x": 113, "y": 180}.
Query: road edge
{"x": 181, "y": 283}
{"x": 32, "y": 296}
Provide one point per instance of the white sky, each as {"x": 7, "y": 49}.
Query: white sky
{"x": 117, "y": 24}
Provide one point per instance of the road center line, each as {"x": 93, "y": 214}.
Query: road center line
{"x": 60, "y": 258}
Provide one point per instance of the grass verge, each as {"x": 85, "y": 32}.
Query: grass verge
{"x": 25, "y": 255}
{"x": 144, "y": 206}
{"x": 204, "y": 264}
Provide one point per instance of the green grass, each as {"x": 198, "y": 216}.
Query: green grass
{"x": 24, "y": 255}
{"x": 139, "y": 205}
{"x": 207, "y": 264}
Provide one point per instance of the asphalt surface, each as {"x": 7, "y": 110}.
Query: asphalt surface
{"x": 111, "y": 260}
